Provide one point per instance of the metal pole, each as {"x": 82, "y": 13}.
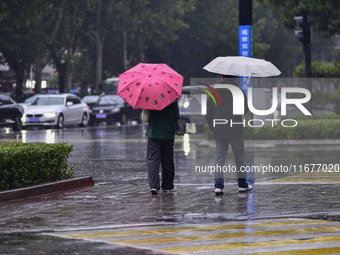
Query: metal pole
{"x": 125, "y": 61}
{"x": 308, "y": 57}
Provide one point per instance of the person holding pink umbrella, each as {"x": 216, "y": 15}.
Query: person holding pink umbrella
{"x": 155, "y": 87}
{"x": 161, "y": 136}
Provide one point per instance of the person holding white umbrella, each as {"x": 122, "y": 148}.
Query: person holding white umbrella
{"x": 226, "y": 135}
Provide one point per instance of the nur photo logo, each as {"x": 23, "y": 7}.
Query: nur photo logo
{"x": 278, "y": 100}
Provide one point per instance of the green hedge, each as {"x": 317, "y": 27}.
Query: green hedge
{"x": 330, "y": 116}
{"x": 306, "y": 129}
{"x": 319, "y": 69}
{"x": 26, "y": 164}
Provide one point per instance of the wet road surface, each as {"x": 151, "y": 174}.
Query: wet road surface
{"x": 115, "y": 157}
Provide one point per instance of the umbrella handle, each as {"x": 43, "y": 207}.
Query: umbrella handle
{"x": 249, "y": 79}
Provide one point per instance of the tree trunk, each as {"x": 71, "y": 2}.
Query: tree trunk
{"x": 61, "y": 77}
{"x": 38, "y": 73}
{"x": 61, "y": 69}
{"x": 19, "y": 87}
{"x": 68, "y": 71}
{"x": 141, "y": 51}
{"x": 99, "y": 61}
{"x": 125, "y": 60}
{"x": 69, "y": 67}
{"x": 68, "y": 77}
{"x": 19, "y": 70}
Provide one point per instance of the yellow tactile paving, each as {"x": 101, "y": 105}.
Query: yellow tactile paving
{"x": 312, "y": 177}
{"x": 321, "y": 251}
{"x": 233, "y": 246}
{"x": 276, "y": 237}
{"x": 212, "y": 228}
{"x": 248, "y": 233}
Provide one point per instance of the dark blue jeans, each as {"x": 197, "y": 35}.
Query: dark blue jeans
{"x": 222, "y": 146}
{"x": 160, "y": 153}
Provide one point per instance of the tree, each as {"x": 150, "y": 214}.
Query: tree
{"x": 32, "y": 29}
{"x": 325, "y": 14}
{"x": 20, "y": 39}
{"x": 151, "y": 25}
{"x": 97, "y": 34}
{"x": 115, "y": 28}
{"x": 99, "y": 22}
{"x": 63, "y": 29}
{"x": 212, "y": 31}
{"x": 273, "y": 41}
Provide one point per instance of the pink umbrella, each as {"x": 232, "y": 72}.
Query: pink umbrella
{"x": 150, "y": 86}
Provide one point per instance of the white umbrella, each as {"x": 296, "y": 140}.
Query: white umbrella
{"x": 242, "y": 66}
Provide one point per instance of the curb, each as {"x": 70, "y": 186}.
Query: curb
{"x": 46, "y": 188}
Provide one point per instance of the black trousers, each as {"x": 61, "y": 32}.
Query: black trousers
{"x": 160, "y": 152}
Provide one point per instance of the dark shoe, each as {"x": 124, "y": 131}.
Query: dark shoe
{"x": 218, "y": 191}
{"x": 167, "y": 190}
{"x": 154, "y": 191}
{"x": 246, "y": 189}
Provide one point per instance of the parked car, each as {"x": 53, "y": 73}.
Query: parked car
{"x": 112, "y": 108}
{"x": 56, "y": 110}
{"x": 23, "y": 97}
{"x": 10, "y": 113}
{"x": 29, "y": 100}
{"x": 90, "y": 100}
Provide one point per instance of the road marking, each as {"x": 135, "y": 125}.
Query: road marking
{"x": 209, "y": 228}
{"x": 277, "y": 237}
{"x": 248, "y": 233}
{"x": 304, "y": 252}
{"x": 303, "y": 180}
{"x": 311, "y": 177}
{"x": 234, "y": 246}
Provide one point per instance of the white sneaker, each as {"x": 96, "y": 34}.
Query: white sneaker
{"x": 248, "y": 188}
{"x": 218, "y": 191}
{"x": 154, "y": 191}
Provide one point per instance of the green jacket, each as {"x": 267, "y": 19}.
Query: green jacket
{"x": 162, "y": 124}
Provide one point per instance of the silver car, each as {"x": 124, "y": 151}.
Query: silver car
{"x": 56, "y": 111}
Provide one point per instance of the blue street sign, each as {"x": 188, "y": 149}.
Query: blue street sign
{"x": 246, "y": 41}
{"x": 246, "y": 50}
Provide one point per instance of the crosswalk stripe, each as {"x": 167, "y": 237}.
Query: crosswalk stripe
{"x": 275, "y": 236}
{"x": 232, "y": 246}
{"x": 249, "y": 233}
{"x": 210, "y": 228}
{"x": 320, "y": 173}
{"x": 302, "y": 180}
{"x": 309, "y": 177}
{"x": 320, "y": 251}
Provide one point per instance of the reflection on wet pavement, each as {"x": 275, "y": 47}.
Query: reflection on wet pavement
{"x": 116, "y": 159}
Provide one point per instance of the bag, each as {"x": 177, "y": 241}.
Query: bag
{"x": 145, "y": 115}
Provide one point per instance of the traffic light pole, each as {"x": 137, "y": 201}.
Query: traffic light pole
{"x": 307, "y": 46}
{"x": 308, "y": 57}
{"x": 305, "y": 38}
